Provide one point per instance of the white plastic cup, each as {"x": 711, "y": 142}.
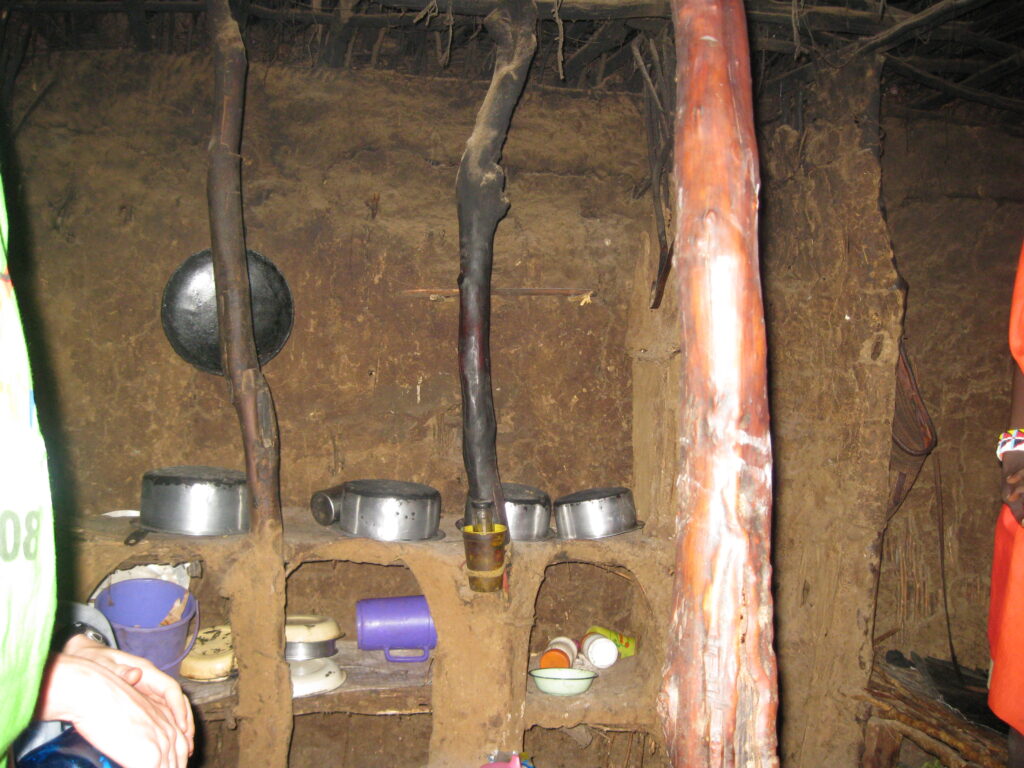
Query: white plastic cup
{"x": 560, "y": 652}
{"x": 599, "y": 650}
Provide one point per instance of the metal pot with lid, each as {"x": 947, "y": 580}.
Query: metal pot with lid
{"x": 387, "y": 510}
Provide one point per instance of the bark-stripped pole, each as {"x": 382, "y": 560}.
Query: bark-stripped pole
{"x": 249, "y": 390}
{"x": 719, "y": 693}
{"x": 480, "y": 195}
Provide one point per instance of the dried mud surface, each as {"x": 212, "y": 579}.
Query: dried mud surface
{"x": 830, "y": 283}
{"x": 954, "y": 197}
{"x": 348, "y": 183}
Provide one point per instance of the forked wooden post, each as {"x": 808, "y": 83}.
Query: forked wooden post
{"x": 719, "y": 693}
{"x": 255, "y": 581}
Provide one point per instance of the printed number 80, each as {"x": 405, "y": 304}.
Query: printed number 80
{"x": 11, "y": 540}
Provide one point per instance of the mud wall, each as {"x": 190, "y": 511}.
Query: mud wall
{"x": 833, "y": 308}
{"x": 349, "y": 183}
{"x": 349, "y": 189}
{"x": 954, "y": 196}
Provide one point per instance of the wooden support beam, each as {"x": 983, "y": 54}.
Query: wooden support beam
{"x": 609, "y": 37}
{"x": 945, "y": 64}
{"x": 719, "y": 696}
{"x": 954, "y": 89}
{"x": 931, "y": 17}
{"x": 979, "y": 78}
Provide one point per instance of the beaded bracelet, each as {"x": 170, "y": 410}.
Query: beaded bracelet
{"x": 1011, "y": 440}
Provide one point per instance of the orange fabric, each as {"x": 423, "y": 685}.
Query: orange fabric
{"x": 1006, "y": 622}
{"x": 1006, "y": 604}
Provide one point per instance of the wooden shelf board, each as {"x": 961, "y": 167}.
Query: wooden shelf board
{"x": 373, "y": 686}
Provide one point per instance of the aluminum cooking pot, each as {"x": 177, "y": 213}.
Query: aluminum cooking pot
{"x": 596, "y": 513}
{"x": 387, "y": 510}
{"x": 527, "y": 510}
{"x": 193, "y": 501}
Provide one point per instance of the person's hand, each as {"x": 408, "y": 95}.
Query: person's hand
{"x": 122, "y": 722}
{"x": 1013, "y": 483}
{"x": 141, "y": 674}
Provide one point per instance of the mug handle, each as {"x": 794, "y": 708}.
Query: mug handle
{"x": 424, "y": 655}
{"x": 192, "y": 642}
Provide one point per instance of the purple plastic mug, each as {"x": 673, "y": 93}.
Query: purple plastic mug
{"x": 395, "y": 623}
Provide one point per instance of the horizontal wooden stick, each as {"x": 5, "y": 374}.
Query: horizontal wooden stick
{"x": 955, "y": 89}
{"x": 588, "y": 292}
{"x": 933, "y": 16}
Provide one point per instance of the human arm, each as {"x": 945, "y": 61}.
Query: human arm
{"x": 1013, "y": 460}
{"x": 142, "y": 675}
{"x": 130, "y": 723}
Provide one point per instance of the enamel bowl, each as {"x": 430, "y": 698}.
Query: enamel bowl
{"x": 562, "y": 682}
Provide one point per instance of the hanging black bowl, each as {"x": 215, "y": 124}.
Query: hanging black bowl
{"x": 189, "y": 310}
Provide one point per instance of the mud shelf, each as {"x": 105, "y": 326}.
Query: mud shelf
{"x": 102, "y": 538}
{"x": 621, "y": 698}
{"x": 616, "y": 698}
{"x": 374, "y": 686}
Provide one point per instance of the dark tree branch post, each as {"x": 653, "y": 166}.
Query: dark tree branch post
{"x": 481, "y": 200}
{"x": 719, "y": 693}
{"x": 255, "y": 582}
{"x": 249, "y": 390}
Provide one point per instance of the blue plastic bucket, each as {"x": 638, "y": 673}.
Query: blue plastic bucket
{"x": 135, "y": 608}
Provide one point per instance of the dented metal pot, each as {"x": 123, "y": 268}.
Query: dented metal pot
{"x": 387, "y": 510}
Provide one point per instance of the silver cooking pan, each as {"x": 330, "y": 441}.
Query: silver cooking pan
{"x": 193, "y": 501}
{"x": 596, "y": 513}
{"x": 387, "y": 510}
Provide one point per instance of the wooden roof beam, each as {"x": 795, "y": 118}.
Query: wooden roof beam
{"x": 931, "y": 17}
{"x": 982, "y": 77}
{"x": 954, "y": 89}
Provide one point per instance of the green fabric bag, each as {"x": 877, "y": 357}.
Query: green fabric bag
{"x": 27, "y": 589}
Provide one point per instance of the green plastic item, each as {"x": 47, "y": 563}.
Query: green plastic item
{"x": 27, "y": 591}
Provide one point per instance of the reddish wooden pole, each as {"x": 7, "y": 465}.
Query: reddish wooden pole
{"x": 719, "y": 695}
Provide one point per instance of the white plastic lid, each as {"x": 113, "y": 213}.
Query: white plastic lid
{"x": 600, "y": 651}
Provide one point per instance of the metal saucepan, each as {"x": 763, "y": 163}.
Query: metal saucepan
{"x": 596, "y": 513}
{"x": 527, "y": 509}
{"x": 387, "y": 510}
{"x": 189, "y": 310}
{"x": 193, "y": 501}
{"x": 308, "y": 636}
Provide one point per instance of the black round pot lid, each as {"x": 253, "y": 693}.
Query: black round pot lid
{"x": 189, "y": 310}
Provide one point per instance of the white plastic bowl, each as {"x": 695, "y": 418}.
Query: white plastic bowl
{"x": 562, "y": 682}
